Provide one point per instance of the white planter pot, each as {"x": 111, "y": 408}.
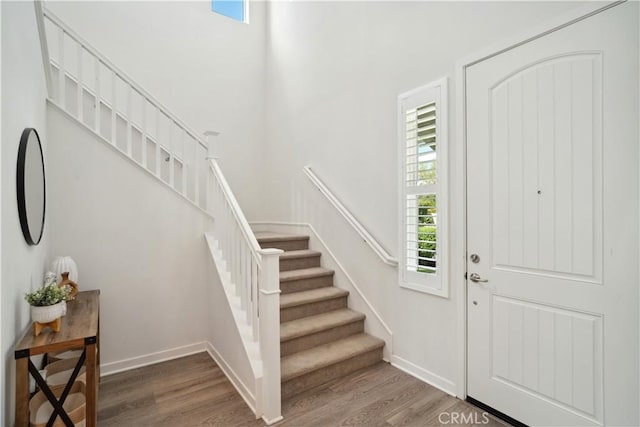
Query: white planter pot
{"x": 48, "y": 313}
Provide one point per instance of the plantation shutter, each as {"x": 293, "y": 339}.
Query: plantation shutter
{"x": 421, "y": 180}
{"x": 422, "y": 130}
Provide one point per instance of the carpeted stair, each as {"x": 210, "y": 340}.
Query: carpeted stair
{"x": 321, "y": 339}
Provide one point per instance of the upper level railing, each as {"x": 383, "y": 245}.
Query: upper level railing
{"x": 351, "y": 219}
{"x": 91, "y": 89}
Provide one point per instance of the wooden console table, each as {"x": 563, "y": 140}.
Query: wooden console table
{"x": 80, "y": 328}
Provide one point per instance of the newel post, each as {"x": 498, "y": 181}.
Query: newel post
{"x": 269, "y": 315}
{"x": 211, "y": 136}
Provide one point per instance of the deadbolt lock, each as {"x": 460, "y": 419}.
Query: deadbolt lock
{"x": 474, "y": 258}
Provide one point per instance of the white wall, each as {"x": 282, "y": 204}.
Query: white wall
{"x": 335, "y": 70}
{"x": 133, "y": 238}
{"x": 23, "y": 105}
{"x": 206, "y": 68}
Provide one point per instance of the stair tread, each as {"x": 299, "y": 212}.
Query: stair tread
{"x": 317, "y": 323}
{"x": 302, "y": 253}
{"x": 314, "y": 295}
{"x": 304, "y": 362}
{"x": 304, "y": 273}
{"x": 268, "y": 236}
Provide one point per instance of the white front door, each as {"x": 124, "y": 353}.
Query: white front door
{"x": 552, "y": 193}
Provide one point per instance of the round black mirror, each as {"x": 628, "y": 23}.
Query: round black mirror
{"x": 31, "y": 186}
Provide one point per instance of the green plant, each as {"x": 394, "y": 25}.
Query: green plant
{"x": 427, "y": 247}
{"x": 46, "y": 295}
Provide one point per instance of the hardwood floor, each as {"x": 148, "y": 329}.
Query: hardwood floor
{"x": 193, "y": 391}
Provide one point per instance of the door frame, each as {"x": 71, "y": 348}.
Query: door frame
{"x": 458, "y": 177}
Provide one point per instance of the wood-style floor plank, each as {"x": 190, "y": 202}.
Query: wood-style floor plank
{"x": 193, "y": 391}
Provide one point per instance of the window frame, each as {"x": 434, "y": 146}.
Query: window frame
{"x": 438, "y": 283}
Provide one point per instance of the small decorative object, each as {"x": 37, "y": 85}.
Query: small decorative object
{"x": 47, "y": 306}
{"x": 69, "y": 286}
{"x": 65, "y": 264}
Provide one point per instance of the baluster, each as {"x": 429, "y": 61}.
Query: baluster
{"x": 226, "y": 235}
{"x": 98, "y": 102}
{"x": 62, "y": 82}
{"x": 143, "y": 126}
{"x": 172, "y": 172}
{"x": 80, "y": 85}
{"x": 196, "y": 175}
{"x": 254, "y": 292}
{"x": 234, "y": 256}
{"x": 246, "y": 280}
{"x": 158, "y": 164}
{"x": 185, "y": 165}
{"x": 114, "y": 89}
{"x": 129, "y": 118}
{"x": 245, "y": 296}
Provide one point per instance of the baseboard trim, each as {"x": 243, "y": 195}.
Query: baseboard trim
{"x": 235, "y": 380}
{"x": 422, "y": 374}
{"x": 111, "y": 368}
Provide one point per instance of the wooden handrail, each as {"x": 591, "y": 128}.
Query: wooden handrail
{"x": 351, "y": 219}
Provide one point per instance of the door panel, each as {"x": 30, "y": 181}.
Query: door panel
{"x": 552, "y": 211}
{"x": 556, "y": 230}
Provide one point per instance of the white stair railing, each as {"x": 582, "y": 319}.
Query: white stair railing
{"x": 92, "y": 90}
{"x": 254, "y": 273}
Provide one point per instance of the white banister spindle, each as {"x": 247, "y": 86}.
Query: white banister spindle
{"x": 172, "y": 164}
{"x": 185, "y": 165}
{"x": 254, "y": 292}
{"x": 269, "y": 301}
{"x": 143, "y": 131}
{"x": 62, "y": 83}
{"x": 80, "y": 85}
{"x": 98, "y": 102}
{"x": 129, "y": 118}
{"x": 246, "y": 260}
{"x": 158, "y": 157}
{"x": 239, "y": 266}
{"x": 196, "y": 174}
{"x": 114, "y": 90}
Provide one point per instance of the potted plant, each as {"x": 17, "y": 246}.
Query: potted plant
{"x": 48, "y": 303}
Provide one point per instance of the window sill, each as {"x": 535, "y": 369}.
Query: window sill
{"x": 440, "y": 292}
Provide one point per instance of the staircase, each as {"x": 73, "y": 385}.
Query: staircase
{"x": 321, "y": 339}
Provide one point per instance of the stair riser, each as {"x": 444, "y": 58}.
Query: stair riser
{"x": 287, "y": 245}
{"x": 311, "y": 309}
{"x": 323, "y": 337}
{"x": 299, "y": 263}
{"x": 306, "y": 284}
{"x": 338, "y": 370}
